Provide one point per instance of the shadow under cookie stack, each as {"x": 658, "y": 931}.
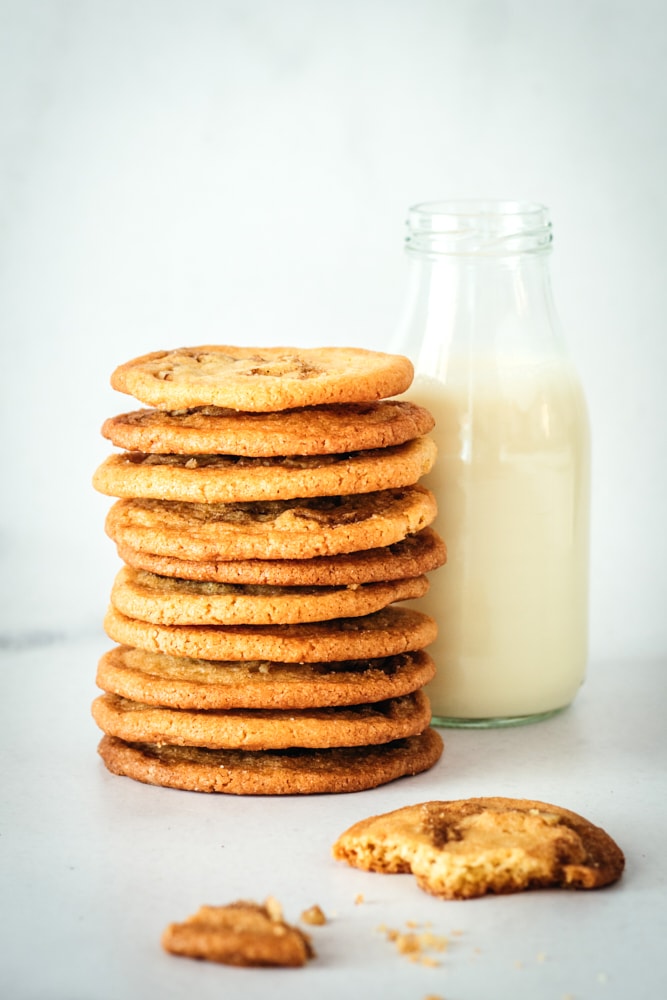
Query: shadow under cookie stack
{"x": 270, "y": 522}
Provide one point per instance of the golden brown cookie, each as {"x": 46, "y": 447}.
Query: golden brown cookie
{"x": 227, "y": 479}
{"x": 166, "y": 600}
{"x": 279, "y": 529}
{"x": 469, "y": 847}
{"x": 180, "y": 682}
{"x": 262, "y": 378}
{"x": 272, "y": 772}
{"x": 314, "y": 430}
{"x": 242, "y": 934}
{"x": 264, "y": 729}
{"x": 385, "y": 633}
{"x": 413, "y": 556}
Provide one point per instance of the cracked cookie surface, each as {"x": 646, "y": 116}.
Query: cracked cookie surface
{"x": 314, "y": 430}
{"x": 280, "y": 529}
{"x": 412, "y": 556}
{"x": 264, "y": 729}
{"x": 230, "y": 479}
{"x": 165, "y": 600}
{"x": 262, "y": 378}
{"x": 384, "y": 633}
{"x": 182, "y": 682}
{"x": 272, "y": 772}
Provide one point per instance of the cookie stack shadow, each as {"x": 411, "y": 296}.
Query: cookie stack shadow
{"x": 261, "y": 642}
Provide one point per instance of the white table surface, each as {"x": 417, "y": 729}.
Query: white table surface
{"x": 94, "y": 866}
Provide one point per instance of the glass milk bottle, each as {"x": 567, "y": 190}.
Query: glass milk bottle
{"x": 512, "y": 474}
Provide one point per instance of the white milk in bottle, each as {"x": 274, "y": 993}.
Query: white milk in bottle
{"x": 512, "y": 473}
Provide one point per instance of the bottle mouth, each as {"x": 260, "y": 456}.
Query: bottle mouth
{"x": 474, "y": 227}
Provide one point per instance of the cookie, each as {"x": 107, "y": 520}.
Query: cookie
{"x": 180, "y": 682}
{"x": 417, "y": 554}
{"x": 279, "y": 529}
{"x": 469, "y": 847}
{"x": 227, "y": 479}
{"x": 264, "y": 729}
{"x": 315, "y": 430}
{"x": 166, "y": 600}
{"x": 384, "y": 633}
{"x": 262, "y": 378}
{"x": 272, "y": 772}
{"x": 242, "y": 934}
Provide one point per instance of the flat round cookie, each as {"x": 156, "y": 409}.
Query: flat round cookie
{"x": 264, "y": 729}
{"x": 262, "y": 378}
{"x": 313, "y": 430}
{"x": 412, "y": 556}
{"x": 227, "y": 479}
{"x": 241, "y": 934}
{"x": 385, "y": 633}
{"x": 166, "y": 600}
{"x": 279, "y": 529}
{"x": 272, "y": 772}
{"x": 469, "y": 847}
{"x": 182, "y": 682}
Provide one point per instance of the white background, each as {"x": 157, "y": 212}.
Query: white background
{"x": 181, "y": 172}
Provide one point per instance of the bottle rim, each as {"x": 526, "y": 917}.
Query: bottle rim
{"x": 478, "y": 227}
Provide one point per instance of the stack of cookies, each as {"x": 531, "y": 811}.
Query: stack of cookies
{"x": 269, "y": 518}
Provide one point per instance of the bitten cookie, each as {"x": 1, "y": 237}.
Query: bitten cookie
{"x": 262, "y": 378}
{"x": 469, "y": 847}
{"x": 241, "y": 933}
{"x": 313, "y": 430}
{"x": 272, "y": 772}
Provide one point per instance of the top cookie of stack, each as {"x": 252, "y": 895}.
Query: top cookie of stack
{"x": 269, "y": 512}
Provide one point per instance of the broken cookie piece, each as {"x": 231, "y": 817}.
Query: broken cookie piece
{"x": 471, "y": 847}
{"x": 242, "y": 933}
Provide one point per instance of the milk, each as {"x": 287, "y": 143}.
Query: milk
{"x": 512, "y": 483}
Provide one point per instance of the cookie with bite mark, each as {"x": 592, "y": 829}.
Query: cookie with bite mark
{"x": 466, "y": 848}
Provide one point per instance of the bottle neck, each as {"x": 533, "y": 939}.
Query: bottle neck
{"x": 479, "y": 229}
{"x": 478, "y": 284}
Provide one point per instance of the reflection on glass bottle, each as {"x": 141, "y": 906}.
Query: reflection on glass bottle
{"x": 512, "y": 474}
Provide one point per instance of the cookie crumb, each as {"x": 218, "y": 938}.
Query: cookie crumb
{"x": 416, "y": 947}
{"x": 359, "y": 899}
{"x": 314, "y": 915}
{"x": 241, "y": 934}
{"x": 273, "y": 908}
